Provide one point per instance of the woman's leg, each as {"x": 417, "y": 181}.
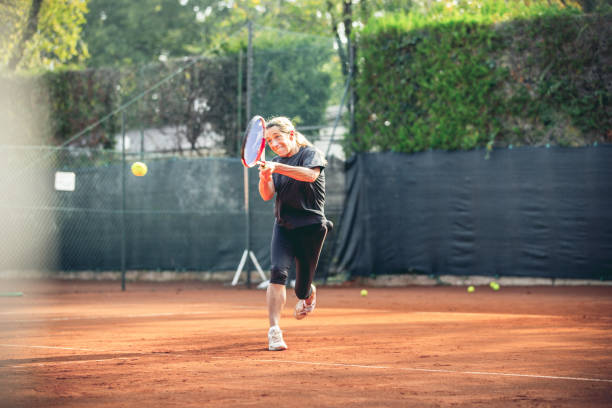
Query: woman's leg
{"x": 307, "y": 246}
{"x": 281, "y": 257}
{"x": 276, "y": 297}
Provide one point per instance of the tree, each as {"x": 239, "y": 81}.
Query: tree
{"x": 337, "y": 18}
{"x": 120, "y": 32}
{"x": 41, "y": 34}
{"x": 139, "y": 32}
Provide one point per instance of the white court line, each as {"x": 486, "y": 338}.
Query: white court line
{"x": 135, "y": 355}
{"x": 71, "y": 362}
{"x": 130, "y": 316}
{"x": 312, "y": 363}
{"x": 424, "y": 370}
{"x": 45, "y": 347}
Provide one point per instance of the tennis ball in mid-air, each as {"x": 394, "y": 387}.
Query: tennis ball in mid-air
{"x": 494, "y": 285}
{"x": 364, "y": 292}
{"x": 470, "y": 289}
{"x": 139, "y": 169}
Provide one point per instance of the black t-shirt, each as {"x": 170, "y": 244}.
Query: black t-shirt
{"x": 299, "y": 203}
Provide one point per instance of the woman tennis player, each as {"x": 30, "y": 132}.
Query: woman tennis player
{"x": 297, "y": 179}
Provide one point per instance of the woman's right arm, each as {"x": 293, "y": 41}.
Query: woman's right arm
{"x": 266, "y": 183}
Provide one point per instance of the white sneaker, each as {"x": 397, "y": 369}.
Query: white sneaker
{"x": 305, "y": 306}
{"x": 275, "y": 339}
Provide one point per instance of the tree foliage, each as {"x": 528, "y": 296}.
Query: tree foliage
{"x": 39, "y": 34}
{"x": 138, "y": 32}
{"x": 295, "y": 77}
{"x": 121, "y": 33}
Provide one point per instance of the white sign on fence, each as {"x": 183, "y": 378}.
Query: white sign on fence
{"x": 65, "y": 181}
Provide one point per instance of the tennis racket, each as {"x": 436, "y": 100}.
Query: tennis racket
{"x": 254, "y": 143}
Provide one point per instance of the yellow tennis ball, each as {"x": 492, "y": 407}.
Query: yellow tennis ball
{"x": 470, "y": 289}
{"x": 364, "y": 292}
{"x": 139, "y": 169}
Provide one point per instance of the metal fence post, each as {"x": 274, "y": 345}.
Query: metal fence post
{"x": 246, "y": 173}
{"x": 123, "y": 176}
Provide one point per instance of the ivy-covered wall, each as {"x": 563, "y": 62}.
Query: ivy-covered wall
{"x": 534, "y": 80}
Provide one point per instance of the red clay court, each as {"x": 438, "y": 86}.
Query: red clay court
{"x": 191, "y": 344}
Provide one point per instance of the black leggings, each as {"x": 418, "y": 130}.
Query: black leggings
{"x": 302, "y": 245}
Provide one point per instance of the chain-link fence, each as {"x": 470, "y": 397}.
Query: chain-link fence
{"x": 82, "y": 210}
{"x": 77, "y": 207}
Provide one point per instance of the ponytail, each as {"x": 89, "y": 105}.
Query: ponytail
{"x": 301, "y": 140}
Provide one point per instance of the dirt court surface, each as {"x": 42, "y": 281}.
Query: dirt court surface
{"x": 83, "y": 344}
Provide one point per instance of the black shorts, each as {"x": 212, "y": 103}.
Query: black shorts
{"x": 302, "y": 245}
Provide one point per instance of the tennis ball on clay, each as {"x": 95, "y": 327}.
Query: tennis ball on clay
{"x": 364, "y": 292}
{"x": 470, "y": 289}
{"x": 139, "y": 169}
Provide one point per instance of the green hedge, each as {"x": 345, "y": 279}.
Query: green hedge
{"x": 463, "y": 84}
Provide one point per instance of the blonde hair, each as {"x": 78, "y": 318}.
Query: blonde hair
{"x": 285, "y": 125}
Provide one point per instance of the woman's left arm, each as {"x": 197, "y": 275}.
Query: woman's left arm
{"x": 295, "y": 172}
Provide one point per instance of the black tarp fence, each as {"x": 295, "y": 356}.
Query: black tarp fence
{"x": 186, "y": 214}
{"x": 531, "y": 212}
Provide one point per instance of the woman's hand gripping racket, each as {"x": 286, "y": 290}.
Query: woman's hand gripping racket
{"x": 254, "y": 143}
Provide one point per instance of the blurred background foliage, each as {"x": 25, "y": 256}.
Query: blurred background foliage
{"x": 42, "y": 34}
{"x": 451, "y": 74}
{"x": 292, "y": 73}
